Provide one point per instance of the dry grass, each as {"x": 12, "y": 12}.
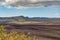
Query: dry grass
{"x": 14, "y": 35}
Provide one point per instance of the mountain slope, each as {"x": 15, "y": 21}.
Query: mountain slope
{"x": 10, "y": 19}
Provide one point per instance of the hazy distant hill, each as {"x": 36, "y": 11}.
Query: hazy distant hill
{"x": 40, "y": 18}
{"x": 22, "y": 18}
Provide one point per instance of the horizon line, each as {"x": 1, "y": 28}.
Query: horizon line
{"x": 29, "y": 16}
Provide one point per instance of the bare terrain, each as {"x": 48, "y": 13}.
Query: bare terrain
{"x": 43, "y": 32}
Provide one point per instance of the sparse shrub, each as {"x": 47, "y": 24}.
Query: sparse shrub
{"x": 14, "y": 35}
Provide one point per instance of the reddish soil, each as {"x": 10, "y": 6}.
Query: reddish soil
{"x": 43, "y": 32}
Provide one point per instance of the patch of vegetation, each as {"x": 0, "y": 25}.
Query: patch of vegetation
{"x": 14, "y": 35}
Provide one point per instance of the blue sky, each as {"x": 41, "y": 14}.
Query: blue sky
{"x": 31, "y": 12}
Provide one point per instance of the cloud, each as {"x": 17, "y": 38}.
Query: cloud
{"x": 29, "y": 3}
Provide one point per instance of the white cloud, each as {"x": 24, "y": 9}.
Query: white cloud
{"x": 30, "y": 3}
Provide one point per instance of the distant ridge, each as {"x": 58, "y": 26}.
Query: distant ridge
{"x": 40, "y": 18}
{"x": 16, "y": 18}
{"x": 22, "y": 18}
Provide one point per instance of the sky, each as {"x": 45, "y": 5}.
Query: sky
{"x": 30, "y": 8}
